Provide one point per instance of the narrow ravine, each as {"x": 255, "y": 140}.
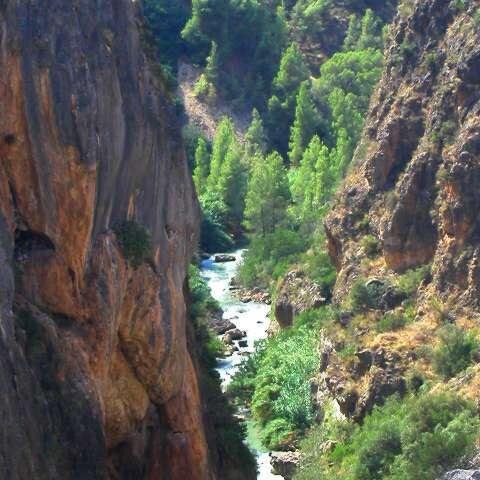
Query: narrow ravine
{"x": 250, "y": 317}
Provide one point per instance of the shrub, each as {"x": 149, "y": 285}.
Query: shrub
{"x": 204, "y": 90}
{"x": 370, "y": 245}
{"x": 277, "y": 434}
{"x": 412, "y": 439}
{"x": 459, "y": 5}
{"x": 391, "y": 321}
{"x": 408, "y": 283}
{"x": 431, "y": 61}
{"x": 364, "y": 295}
{"x": 201, "y": 300}
{"x": 269, "y": 257}
{"x": 278, "y": 379}
{"x": 135, "y": 242}
{"x": 445, "y": 134}
{"x": 455, "y": 351}
{"x": 320, "y": 269}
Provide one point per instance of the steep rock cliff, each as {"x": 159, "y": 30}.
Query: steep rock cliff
{"x": 96, "y": 377}
{"x": 413, "y": 186}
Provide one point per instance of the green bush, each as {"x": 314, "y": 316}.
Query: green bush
{"x": 270, "y": 256}
{"x": 455, "y": 352}
{"x": 408, "y": 283}
{"x": 201, "y": 300}
{"x": 277, "y": 380}
{"x": 391, "y": 321}
{"x": 320, "y": 269}
{"x": 370, "y": 245}
{"x": 366, "y": 295}
{"x": 277, "y": 434}
{"x": 416, "y": 438}
{"x": 135, "y": 242}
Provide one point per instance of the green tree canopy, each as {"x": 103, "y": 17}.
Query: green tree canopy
{"x": 267, "y": 195}
{"x": 304, "y": 125}
{"x": 224, "y": 137}
{"x": 202, "y": 166}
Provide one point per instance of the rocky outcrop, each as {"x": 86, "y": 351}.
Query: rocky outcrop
{"x": 462, "y": 475}
{"x": 284, "y": 463}
{"x": 97, "y": 380}
{"x": 413, "y": 182}
{"x": 296, "y": 294}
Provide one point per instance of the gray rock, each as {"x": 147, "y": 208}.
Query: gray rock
{"x": 223, "y": 258}
{"x": 284, "y": 463}
{"x": 236, "y": 334}
{"x": 221, "y": 325}
{"x": 462, "y": 475}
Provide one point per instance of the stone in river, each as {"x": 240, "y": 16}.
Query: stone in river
{"x": 222, "y": 258}
{"x": 243, "y": 343}
{"x": 221, "y": 325}
{"x": 236, "y": 334}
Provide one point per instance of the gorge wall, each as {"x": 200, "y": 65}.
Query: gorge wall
{"x": 414, "y": 183}
{"x": 96, "y": 377}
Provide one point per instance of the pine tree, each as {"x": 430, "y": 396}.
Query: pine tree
{"x": 202, "y": 166}
{"x": 371, "y": 32}
{"x": 311, "y": 184}
{"x": 267, "y": 195}
{"x": 304, "y": 125}
{"x": 291, "y": 73}
{"x": 223, "y": 139}
{"x": 353, "y": 34}
{"x": 232, "y": 185}
{"x": 325, "y": 177}
{"x": 255, "y": 138}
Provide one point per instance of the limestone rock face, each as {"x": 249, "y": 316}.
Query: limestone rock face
{"x": 413, "y": 183}
{"x": 96, "y": 377}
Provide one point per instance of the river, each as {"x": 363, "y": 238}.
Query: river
{"x": 253, "y": 319}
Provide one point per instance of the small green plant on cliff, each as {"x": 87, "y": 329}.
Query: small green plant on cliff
{"x": 414, "y": 439}
{"x": 135, "y": 242}
{"x": 431, "y": 61}
{"x": 365, "y": 295}
{"x": 391, "y": 321}
{"x": 409, "y": 282}
{"x": 445, "y": 134}
{"x": 455, "y": 352}
{"x": 370, "y": 245}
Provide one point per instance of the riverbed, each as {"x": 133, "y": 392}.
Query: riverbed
{"x": 253, "y": 319}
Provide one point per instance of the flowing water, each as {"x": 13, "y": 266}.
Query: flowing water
{"x": 250, "y": 317}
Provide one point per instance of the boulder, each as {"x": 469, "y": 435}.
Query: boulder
{"x": 236, "y": 334}
{"x": 221, "y": 325}
{"x": 223, "y": 258}
{"x": 243, "y": 343}
{"x": 284, "y": 463}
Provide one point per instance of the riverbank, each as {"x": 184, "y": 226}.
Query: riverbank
{"x": 252, "y": 318}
